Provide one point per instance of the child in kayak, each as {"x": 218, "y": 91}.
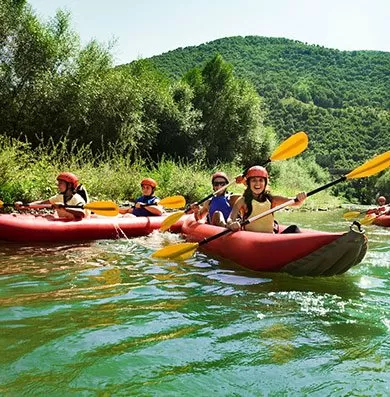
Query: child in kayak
{"x": 147, "y": 204}
{"x": 218, "y": 208}
{"x": 256, "y": 200}
{"x": 67, "y": 184}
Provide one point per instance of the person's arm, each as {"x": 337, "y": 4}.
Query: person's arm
{"x": 232, "y": 222}
{"x": 18, "y": 204}
{"x": 151, "y": 206}
{"x": 200, "y": 211}
{"x": 125, "y": 210}
{"x": 153, "y": 209}
{"x": 78, "y": 213}
{"x": 386, "y": 210}
{"x": 278, "y": 200}
{"x": 233, "y": 198}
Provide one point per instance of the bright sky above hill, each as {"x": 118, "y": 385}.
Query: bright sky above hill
{"x": 143, "y": 28}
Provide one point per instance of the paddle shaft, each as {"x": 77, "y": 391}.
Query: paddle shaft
{"x": 169, "y": 202}
{"x": 330, "y": 184}
{"x": 215, "y": 236}
{"x": 43, "y": 206}
{"x": 292, "y": 201}
{"x": 144, "y": 205}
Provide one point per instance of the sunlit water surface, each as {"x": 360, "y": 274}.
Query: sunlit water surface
{"x": 105, "y": 319}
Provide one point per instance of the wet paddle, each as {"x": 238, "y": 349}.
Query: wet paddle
{"x": 291, "y": 147}
{"x": 105, "y": 208}
{"x": 354, "y": 214}
{"x": 366, "y": 220}
{"x": 186, "y": 250}
{"x": 351, "y": 215}
{"x": 173, "y": 202}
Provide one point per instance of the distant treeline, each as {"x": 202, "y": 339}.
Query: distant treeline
{"x": 208, "y": 104}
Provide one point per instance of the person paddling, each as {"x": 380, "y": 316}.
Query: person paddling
{"x": 67, "y": 184}
{"x": 218, "y": 208}
{"x": 147, "y": 204}
{"x": 383, "y": 209}
{"x": 255, "y": 200}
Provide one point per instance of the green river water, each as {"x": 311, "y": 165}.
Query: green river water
{"x": 104, "y": 319}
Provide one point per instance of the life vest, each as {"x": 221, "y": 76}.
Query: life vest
{"x": 152, "y": 200}
{"x": 75, "y": 199}
{"x": 219, "y": 203}
{"x": 264, "y": 225}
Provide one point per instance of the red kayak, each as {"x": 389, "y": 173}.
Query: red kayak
{"x": 309, "y": 253}
{"x": 382, "y": 220}
{"x": 30, "y": 228}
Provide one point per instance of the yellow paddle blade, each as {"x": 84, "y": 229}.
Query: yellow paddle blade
{"x": 367, "y": 220}
{"x": 291, "y": 147}
{"x": 1, "y": 204}
{"x": 171, "y": 220}
{"x": 173, "y": 202}
{"x": 351, "y": 215}
{"x": 371, "y": 167}
{"x": 177, "y": 251}
{"x": 106, "y": 208}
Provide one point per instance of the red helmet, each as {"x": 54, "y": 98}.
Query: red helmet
{"x": 68, "y": 177}
{"x": 257, "y": 170}
{"x": 219, "y": 175}
{"x": 382, "y": 199}
{"x": 149, "y": 181}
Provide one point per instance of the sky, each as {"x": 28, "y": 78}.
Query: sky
{"x": 143, "y": 28}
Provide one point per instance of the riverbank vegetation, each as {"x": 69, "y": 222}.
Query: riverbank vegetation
{"x": 28, "y": 174}
{"x": 64, "y": 106}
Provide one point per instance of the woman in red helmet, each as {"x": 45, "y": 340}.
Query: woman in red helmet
{"x": 67, "y": 184}
{"x": 218, "y": 208}
{"x": 147, "y": 204}
{"x": 256, "y": 200}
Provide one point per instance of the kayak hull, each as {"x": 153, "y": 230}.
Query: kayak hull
{"x": 30, "y": 228}
{"x": 383, "y": 220}
{"x": 310, "y": 253}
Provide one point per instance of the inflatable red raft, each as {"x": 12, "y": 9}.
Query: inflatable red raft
{"x": 382, "y": 220}
{"x": 30, "y": 228}
{"x": 309, "y": 253}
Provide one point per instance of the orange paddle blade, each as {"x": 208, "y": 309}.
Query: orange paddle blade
{"x": 371, "y": 167}
{"x": 177, "y": 251}
{"x": 171, "y": 220}
{"x": 291, "y": 147}
{"x": 173, "y": 202}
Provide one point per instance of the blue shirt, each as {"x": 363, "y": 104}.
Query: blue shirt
{"x": 151, "y": 200}
{"x": 219, "y": 203}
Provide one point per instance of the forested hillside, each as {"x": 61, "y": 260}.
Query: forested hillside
{"x": 340, "y": 98}
{"x": 230, "y": 101}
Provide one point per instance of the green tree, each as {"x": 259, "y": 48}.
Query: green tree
{"x": 231, "y": 114}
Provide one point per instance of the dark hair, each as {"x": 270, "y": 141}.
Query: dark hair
{"x": 248, "y": 197}
{"x": 82, "y": 191}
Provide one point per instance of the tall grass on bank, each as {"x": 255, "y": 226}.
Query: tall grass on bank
{"x": 28, "y": 174}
